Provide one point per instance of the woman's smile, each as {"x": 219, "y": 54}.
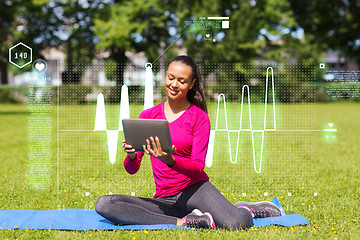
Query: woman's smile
{"x": 173, "y": 92}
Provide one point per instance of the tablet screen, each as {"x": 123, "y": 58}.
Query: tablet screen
{"x": 136, "y": 131}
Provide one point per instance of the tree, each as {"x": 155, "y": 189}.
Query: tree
{"x": 8, "y": 13}
{"x": 68, "y": 24}
{"x": 258, "y": 29}
{"x": 24, "y": 21}
{"x": 131, "y": 26}
{"x": 332, "y": 23}
{"x": 50, "y": 23}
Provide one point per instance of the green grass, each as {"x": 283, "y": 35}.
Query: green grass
{"x": 298, "y": 162}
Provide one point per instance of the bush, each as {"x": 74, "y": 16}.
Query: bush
{"x": 10, "y": 94}
{"x": 338, "y": 91}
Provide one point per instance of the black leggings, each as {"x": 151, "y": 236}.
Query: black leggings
{"x": 123, "y": 209}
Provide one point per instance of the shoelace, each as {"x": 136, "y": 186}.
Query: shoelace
{"x": 260, "y": 214}
{"x": 192, "y": 223}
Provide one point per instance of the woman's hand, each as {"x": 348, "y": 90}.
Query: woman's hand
{"x": 129, "y": 149}
{"x": 153, "y": 148}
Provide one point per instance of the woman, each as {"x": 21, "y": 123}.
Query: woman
{"x": 184, "y": 195}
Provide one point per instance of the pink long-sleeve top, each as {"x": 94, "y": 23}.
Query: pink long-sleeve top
{"x": 190, "y": 135}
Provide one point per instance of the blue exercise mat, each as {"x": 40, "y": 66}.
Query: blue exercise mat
{"x": 82, "y": 219}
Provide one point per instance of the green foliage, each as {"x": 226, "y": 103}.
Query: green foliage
{"x": 44, "y": 24}
{"x": 73, "y": 92}
{"x": 332, "y": 23}
{"x": 338, "y": 91}
{"x": 8, "y": 12}
{"x": 132, "y": 25}
{"x": 10, "y": 94}
{"x": 118, "y": 26}
{"x": 110, "y": 69}
{"x": 259, "y": 30}
{"x": 253, "y": 27}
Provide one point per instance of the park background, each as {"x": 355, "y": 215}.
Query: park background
{"x": 97, "y": 46}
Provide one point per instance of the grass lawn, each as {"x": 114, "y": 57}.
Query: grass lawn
{"x": 303, "y": 163}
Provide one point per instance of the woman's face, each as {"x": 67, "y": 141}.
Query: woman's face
{"x": 178, "y": 80}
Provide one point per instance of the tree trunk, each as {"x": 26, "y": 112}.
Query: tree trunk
{"x": 119, "y": 56}
{"x": 3, "y": 73}
{"x": 69, "y": 76}
{"x": 120, "y": 75}
{"x": 69, "y": 56}
{"x": 3, "y": 52}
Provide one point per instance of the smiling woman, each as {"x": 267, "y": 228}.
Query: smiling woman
{"x": 188, "y": 82}
{"x": 183, "y": 80}
{"x": 184, "y": 195}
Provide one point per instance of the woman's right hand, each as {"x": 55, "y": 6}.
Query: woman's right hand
{"x": 129, "y": 149}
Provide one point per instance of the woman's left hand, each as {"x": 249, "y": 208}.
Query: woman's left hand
{"x": 153, "y": 148}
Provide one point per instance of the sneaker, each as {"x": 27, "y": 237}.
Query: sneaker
{"x": 261, "y": 209}
{"x": 197, "y": 219}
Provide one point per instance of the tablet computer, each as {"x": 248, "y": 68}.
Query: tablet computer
{"x": 136, "y": 131}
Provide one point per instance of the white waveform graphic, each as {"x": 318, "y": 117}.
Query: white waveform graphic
{"x": 149, "y": 86}
{"x": 124, "y": 106}
{"x": 100, "y": 117}
{"x": 112, "y": 137}
{"x": 210, "y": 151}
{"x": 100, "y": 121}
